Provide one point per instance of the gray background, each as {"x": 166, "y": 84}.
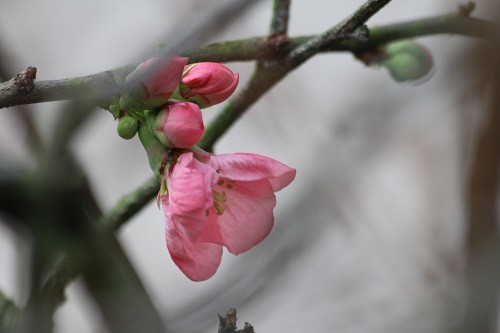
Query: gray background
{"x": 369, "y": 236}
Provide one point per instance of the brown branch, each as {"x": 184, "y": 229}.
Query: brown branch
{"x": 102, "y": 85}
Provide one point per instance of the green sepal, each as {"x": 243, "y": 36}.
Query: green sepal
{"x": 176, "y": 95}
{"x": 163, "y": 187}
{"x": 115, "y": 110}
{"x": 133, "y": 99}
{"x": 152, "y": 121}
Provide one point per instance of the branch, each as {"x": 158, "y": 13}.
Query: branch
{"x": 281, "y": 12}
{"x": 102, "y": 85}
{"x": 342, "y": 30}
{"x": 66, "y": 269}
{"x": 9, "y": 314}
{"x": 130, "y": 204}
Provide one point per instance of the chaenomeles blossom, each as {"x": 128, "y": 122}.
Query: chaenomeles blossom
{"x": 178, "y": 124}
{"x": 211, "y": 201}
{"x": 207, "y": 83}
{"x": 152, "y": 83}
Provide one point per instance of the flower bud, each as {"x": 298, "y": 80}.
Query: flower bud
{"x": 152, "y": 83}
{"x": 177, "y": 125}
{"x": 127, "y": 127}
{"x": 208, "y": 83}
{"x": 408, "y": 61}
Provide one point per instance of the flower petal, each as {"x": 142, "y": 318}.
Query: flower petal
{"x": 247, "y": 217}
{"x": 198, "y": 261}
{"x": 166, "y": 76}
{"x": 250, "y": 167}
{"x": 183, "y": 124}
{"x": 189, "y": 195}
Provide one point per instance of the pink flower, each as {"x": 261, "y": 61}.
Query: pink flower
{"x": 179, "y": 125}
{"x": 152, "y": 83}
{"x": 226, "y": 200}
{"x": 208, "y": 83}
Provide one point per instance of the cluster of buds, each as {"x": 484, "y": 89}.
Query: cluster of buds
{"x": 209, "y": 201}
{"x": 166, "y": 95}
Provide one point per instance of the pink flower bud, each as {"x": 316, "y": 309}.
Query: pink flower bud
{"x": 152, "y": 83}
{"x": 179, "y": 125}
{"x": 208, "y": 83}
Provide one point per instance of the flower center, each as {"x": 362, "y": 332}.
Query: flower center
{"x": 220, "y": 196}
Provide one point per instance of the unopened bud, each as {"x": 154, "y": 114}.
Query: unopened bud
{"x": 408, "y": 61}
{"x": 177, "y": 125}
{"x": 208, "y": 83}
{"x": 152, "y": 83}
{"x": 127, "y": 127}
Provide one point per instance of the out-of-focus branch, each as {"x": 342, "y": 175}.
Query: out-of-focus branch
{"x": 130, "y": 204}
{"x": 66, "y": 268}
{"x": 9, "y": 314}
{"x": 102, "y": 85}
{"x": 63, "y": 218}
{"x": 483, "y": 269}
{"x": 281, "y": 13}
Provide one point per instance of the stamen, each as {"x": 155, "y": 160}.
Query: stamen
{"x": 219, "y": 196}
{"x": 219, "y": 208}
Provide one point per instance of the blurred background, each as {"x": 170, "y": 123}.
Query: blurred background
{"x": 370, "y": 237}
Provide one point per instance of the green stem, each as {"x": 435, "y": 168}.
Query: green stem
{"x": 130, "y": 204}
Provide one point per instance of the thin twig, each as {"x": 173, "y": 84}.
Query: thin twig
{"x": 342, "y": 30}
{"x": 130, "y": 204}
{"x": 268, "y": 73}
{"x": 9, "y": 314}
{"x": 279, "y": 22}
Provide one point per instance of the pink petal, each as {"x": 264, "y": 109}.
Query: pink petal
{"x": 247, "y": 218}
{"x": 189, "y": 195}
{"x": 183, "y": 124}
{"x": 209, "y": 82}
{"x": 250, "y": 167}
{"x": 159, "y": 75}
{"x": 198, "y": 261}
{"x": 166, "y": 76}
